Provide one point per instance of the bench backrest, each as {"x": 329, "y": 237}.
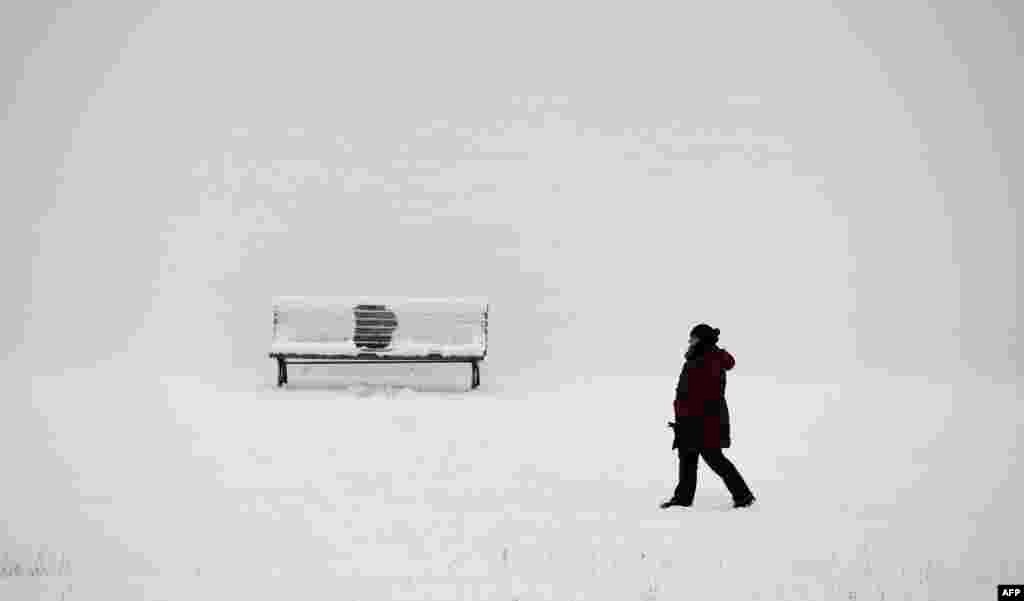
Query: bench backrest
{"x": 407, "y": 325}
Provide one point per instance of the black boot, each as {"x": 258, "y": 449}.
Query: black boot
{"x": 745, "y": 501}
{"x": 675, "y": 502}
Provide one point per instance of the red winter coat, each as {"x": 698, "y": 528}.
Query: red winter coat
{"x": 700, "y": 401}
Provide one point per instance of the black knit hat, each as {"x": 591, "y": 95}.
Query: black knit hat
{"x": 705, "y": 333}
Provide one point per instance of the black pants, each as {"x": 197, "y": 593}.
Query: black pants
{"x": 716, "y": 461}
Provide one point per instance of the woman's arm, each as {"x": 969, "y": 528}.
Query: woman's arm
{"x": 728, "y": 361}
{"x": 681, "y": 384}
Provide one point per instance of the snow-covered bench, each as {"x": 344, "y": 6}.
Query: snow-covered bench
{"x": 332, "y": 330}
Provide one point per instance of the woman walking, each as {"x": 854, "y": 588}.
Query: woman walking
{"x": 702, "y": 419}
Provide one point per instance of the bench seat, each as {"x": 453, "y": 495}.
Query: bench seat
{"x": 403, "y": 349}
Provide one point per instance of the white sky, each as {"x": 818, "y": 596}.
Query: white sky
{"x": 830, "y": 184}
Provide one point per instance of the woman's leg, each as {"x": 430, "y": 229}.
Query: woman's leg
{"x": 727, "y": 472}
{"x": 687, "y": 476}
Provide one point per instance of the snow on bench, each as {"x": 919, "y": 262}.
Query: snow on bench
{"x": 329, "y": 330}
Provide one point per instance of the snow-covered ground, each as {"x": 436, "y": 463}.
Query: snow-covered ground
{"x": 397, "y": 483}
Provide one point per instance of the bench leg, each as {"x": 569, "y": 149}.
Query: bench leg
{"x": 476, "y": 375}
{"x": 282, "y": 372}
